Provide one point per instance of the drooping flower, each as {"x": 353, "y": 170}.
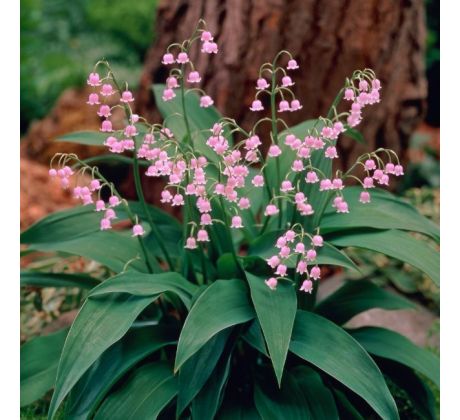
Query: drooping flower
{"x": 114, "y": 201}
{"x": 105, "y": 224}
{"x": 206, "y": 101}
{"x": 262, "y": 84}
{"x": 292, "y": 65}
{"x": 295, "y": 105}
{"x": 317, "y": 240}
{"x": 107, "y": 89}
{"x": 315, "y": 273}
{"x": 256, "y": 106}
{"x": 271, "y": 210}
{"x": 168, "y": 94}
{"x": 191, "y": 243}
{"x": 202, "y": 236}
{"x": 237, "y": 222}
{"x": 138, "y": 230}
{"x": 93, "y": 99}
{"x": 194, "y": 77}
{"x": 168, "y": 58}
{"x": 127, "y": 97}
{"x": 271, "y": 283}
{"x": 182, "y": 58}
{"x": 307, "y": 286}
{"x": 365, "y": 197}
{"x": 287, "y": 81}
{"x": 284, "y": 106}
{"x": 274, "y": 151}
{"x": 94, "y": 79}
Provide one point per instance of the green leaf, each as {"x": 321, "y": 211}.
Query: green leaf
{"x": 39, "y": 362}
{"x": 109, "y": 248}
{"x": 391, "y": 345}
{"x": 140, "y": 284}
{"x": 355, "y": 135}
{"x": 196, "y": 371}
{"x": 276, "y": 311}
{"x": 319, "y": 397}
{"x": 40, "y": 279}
{"x": 90, "y": 138}
{"x": 418, "y": 392}
{"x": 287, "y": 402}
{"x": 385, "y": 211}
{"x": 135, "y": 346}
{"x": 223, "y": 304}
{"x": 396, "y": 244}
{"x": 103, "y": 320}
{"x": 255, "y": 338}
{"x": 346, "y": 408}
{"x": 328, "y": 347}
{"x": 357, "y": 296}
{"x": 76, "y": 231}
{"x": 199, "y": 119}
{"x": 238, "y": 408}
{"x": 227, "y": 267}
{"x": 143, "y": 396}
{"x": 207, "y": 402}
{"x": 81, "y": 221}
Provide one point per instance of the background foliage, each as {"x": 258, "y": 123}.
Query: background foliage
{"x": 60, "y": 40}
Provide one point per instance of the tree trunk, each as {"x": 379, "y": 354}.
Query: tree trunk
{"x": 328, "y": 38}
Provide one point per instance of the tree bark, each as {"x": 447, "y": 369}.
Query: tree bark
{"x": 328, "y": 38}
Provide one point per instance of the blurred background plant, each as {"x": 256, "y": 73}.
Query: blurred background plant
{"x": 60, "y": 39}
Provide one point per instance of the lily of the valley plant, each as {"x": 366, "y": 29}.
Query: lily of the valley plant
{"x": 216, "y": 315}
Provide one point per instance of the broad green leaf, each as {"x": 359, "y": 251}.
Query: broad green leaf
{"x": 227, "y": 268}
{"x": 331, "y": 349}
{"x": 80, "y": 221}
{"x": 196, "y": 371}
{"x": 357, "y": 296}
{"x": 238, "y": 408}
{"x": 39, "y": 362}
{"x": 200, "y": 119}
{"x": 396, "y": 244}
{"x": 207, "y": 402}
{"x": 264, "y": 247}
{"x": 391, "y": 345}
{"x": 319, "y": 397}
{"x": 102, "y": 321}
{"x": 140, "y": 284}
{"x": 287, "y": 402}
{"x": 418, "y": 392}
{"x": 276, "y": 311}
{"x": 346, "y": 408}
{"x": 135, "y": 346}
{"x": 255, "y": 338}
{"x": 112, "y": 249}
{"x": 385, "y": 211}
{"x": 223, "y": 304}
{"x": 147, "y": 392}
{"x": 90, "y": 138}
{"x": 40, "y": 279}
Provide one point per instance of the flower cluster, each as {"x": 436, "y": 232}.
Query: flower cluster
{"x": 90, "y": 194}
{"x": 278, "y": 87}
{"x": 291, "y": 245}
{"x": 200, "y": 183}
{"x": 184, "y": 70}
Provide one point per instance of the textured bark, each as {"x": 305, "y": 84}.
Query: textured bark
{"x": 329, "y": 39}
